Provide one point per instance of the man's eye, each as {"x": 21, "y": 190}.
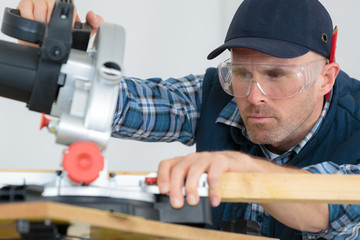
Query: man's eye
{"x": 241, "y": 74}
{"x": 275, "y": 74}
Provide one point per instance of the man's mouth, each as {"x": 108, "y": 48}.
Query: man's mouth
{"x": 259, "y": 119}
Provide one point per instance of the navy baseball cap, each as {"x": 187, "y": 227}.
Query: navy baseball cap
{"x": 280, "y": 28}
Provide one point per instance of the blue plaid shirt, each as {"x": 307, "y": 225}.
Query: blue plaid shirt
{"x": 157, "y": 110}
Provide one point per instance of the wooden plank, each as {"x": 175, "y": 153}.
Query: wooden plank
{"x": 109, "y": 226}
{"x": 301, "y": 188}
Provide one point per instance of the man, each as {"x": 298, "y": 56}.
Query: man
{"x": 274, "y": 116}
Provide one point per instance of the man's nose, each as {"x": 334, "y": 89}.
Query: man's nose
{"x": 256, "y": 94}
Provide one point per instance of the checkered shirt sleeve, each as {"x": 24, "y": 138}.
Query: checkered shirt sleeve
{"x": 344, "y": 221}
{"x": 158, "y": 110}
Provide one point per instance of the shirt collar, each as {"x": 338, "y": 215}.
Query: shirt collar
{"x": 230, "y": 116}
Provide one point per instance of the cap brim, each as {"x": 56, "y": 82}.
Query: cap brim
{"x": 275, "y": 48}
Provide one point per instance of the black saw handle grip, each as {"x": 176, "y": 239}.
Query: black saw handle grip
{"x": 34, "y": 32}
{"x": 23, "y": 29}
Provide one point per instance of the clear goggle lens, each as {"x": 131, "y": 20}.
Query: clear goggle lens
{"x": 273, "y": 80}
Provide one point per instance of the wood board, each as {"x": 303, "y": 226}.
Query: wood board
{"x": 103, "y": 225}
{"x": 300, "y": 188}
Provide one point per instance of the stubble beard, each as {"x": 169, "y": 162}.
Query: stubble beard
{"x": 280, "y": 128}
{"x": 263, "y": 133}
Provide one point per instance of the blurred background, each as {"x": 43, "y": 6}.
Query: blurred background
{"x": 164, "y": 38}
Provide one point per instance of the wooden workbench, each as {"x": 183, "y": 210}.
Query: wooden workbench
{"x": 98, "y": 224}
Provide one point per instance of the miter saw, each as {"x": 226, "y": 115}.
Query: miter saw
{"x": 78, "y": 87}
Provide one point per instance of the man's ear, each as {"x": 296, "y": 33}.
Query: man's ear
{"x": 329, "y": 74}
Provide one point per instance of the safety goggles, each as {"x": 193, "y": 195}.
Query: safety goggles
{"x": 274, "y": 80}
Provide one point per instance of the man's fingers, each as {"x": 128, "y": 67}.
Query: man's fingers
{"x": 94, "y": 21}
{"x": 177, "y": 179}
{"x": 26, "y": 8}
{"x": 163, "y": 178}
{"x": 191, "y": 187}
{"x": 50, "y": 7}
{"x": 171, "y": 178}
{"x": 214, "y": 178}
{"x": 214, "y": 196}
{"x": 198, "y": 167}
{"x": 40, "y": 11}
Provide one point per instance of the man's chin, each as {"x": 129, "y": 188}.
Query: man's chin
{"x": 263, "y": 138}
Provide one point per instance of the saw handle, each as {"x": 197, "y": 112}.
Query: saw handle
{"x": 35, "y": 32}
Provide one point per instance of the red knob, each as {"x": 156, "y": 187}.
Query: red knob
{"x": 151, "y": 180}
{"x": 44, "y": 121}
{"x": 83, "y": 162}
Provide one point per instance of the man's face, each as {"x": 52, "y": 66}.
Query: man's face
{"x": 279, "y": 123}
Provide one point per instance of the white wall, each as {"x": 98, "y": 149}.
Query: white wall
{"x": 165, "y": 38}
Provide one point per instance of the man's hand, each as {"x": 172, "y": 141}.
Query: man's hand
{"x": 173, "y": 173}
{"x": 40, "y": 10}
